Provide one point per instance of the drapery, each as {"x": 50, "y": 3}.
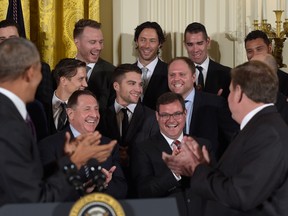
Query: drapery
{"x": 50, "y": 23}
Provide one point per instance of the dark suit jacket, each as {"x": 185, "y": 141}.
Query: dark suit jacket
{"x": 218, "y": 77}
{"x": 158, "y": 85}
{"x": 211, "y": 119}
{"x": 142, "y": 125}
{"x": 282, "y": 106}
{"x": 154, "y": 179}
{"x": 283, "y": 82}
{"x": 52, "y": 148}
{"x": 21, "y": 169}
{"x": 251, "y": 177}
{"x": 100, "y": 81}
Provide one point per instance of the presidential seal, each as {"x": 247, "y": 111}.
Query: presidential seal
{"x": 97, "y": 204}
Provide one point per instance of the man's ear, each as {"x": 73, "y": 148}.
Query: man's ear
{"x": 116, "y": 86}
{"x": 70, "y": 113}
{"x": 29, "y": 74}
{"x": 238, "y": 93}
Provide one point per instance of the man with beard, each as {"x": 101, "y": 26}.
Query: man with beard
{"x": 149, "y": 39}
{"x": 128, "y": 120}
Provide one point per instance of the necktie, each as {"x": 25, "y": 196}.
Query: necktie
{"x": 125, "y": 123}
{"x": 186, "y": 130}
{"x": 177, "y": 143}
{"x": 62, "y": 117}
{"x": 31, "y": 126}
{"x": 88, "y": 71}
{"x": 145, "y": 78}
{"x": 200, "y": 85}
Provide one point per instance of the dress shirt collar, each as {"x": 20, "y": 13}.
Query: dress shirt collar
{"x": 151, "y": 66}
{"x": 190, "y": 96}
{"x": 118, "y": 107}
{"x": 74, "y": 131}
{"x": 252, "y": 113}
{"x": 170, "y": 141}
{"x": 205, "y": 66}
{"x": 56, "y": 102}
{"x": 20, "y": 105}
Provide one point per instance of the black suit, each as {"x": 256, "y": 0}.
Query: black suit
{"x": 251, "y": 177}
{"x": 154, "y": 179}
{"x": 100, "y": 81}
{"x": 282, "y": 106}
{"x": 283, "y": 82}
{"x": 218, "y": 77}
{"x": 158, "y": 85}
{"x": 52, "y": 148}
{"x": 21, "y": 169}
{"x": 211, "y": 119}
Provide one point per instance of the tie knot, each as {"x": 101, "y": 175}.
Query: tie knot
{"x": 124, "y": 110}
{"x": 63, "y": 105}
{"x": 199, "y": 68}
{"x": 88, "y": 68}
{"x": 177, "y": 143}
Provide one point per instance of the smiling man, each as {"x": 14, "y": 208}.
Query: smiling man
{"x": 128, "y": 120}
{"x": 89, "y": 41}
{"x": 213, "y": 77}
{"x": 149, "y": 39}
{"x": 83, "y": 116}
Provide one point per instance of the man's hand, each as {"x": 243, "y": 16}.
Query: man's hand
{"x": 87, "y": 146}
{"x": 108, "y": 174}
{"x": 187, "y": 159}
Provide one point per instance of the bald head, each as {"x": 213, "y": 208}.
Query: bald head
{"x": 267, "y": 59}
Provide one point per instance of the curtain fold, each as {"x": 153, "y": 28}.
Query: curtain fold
{"x": 50, "y": 23}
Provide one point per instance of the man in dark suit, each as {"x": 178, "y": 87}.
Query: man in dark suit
{"x": 281, "y": 100}
{"x": 251, "y": 177}
{"x": 89, "y": 41}
{"x": 208, "y": 115}
{"x": 21, "y": 177}
{"x": 257, "y": 42}
{"x": 211, "y": 76}
{"x": 128, "y": 120}
{"x": 83, "y": 116}
{"x": 149, "y": 38}
{"x": 37, "y": 108}
{"x": 152, "y": 176}
{"x": 70, "y": 75}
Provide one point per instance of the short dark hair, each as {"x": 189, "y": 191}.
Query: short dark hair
{"x": 67, "y": 67}
{"x": 257, "y": 34}
{"x": 82, "y": 23}
{"x": 8, "y": 22}
{"x": 73, "y": 99}
{"x": 257, "y": 80}
{"x": 152, "y": 25}
{"x": 187, "y": 60}
{"x": 122, "y": 69}
{"x": 169, "y": 97}
{"x": 194, "y": 28}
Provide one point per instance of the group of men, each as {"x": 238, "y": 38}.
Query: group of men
{"x": 191, "y": 128}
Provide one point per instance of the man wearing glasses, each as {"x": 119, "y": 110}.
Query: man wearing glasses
{"x": 151, "y": 175}
{"x": 207, "y": 114}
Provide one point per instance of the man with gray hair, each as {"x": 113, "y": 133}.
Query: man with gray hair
{"x": 251, "y": 177}
{"x": 21, "y": 177}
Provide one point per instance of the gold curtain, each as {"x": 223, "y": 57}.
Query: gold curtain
{"x": 50, "y": 23}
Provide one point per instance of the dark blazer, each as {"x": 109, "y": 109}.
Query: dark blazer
{"x": 218, "y": 77}
{"x": 21, "y": 177}
{"x": 282, "y": 106}
{"x": 154, "y": 179}
{"x": 158, "y": 85}
{"x": 142, "y": 125}
{"x": 100, "y": 81}
{"x": 251, "y": 177}
{"x": 52, "y": 148}
{"x": 211, "y": 119}
{"x": 283, "y": 82}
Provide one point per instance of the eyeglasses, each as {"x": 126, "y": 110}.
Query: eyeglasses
{"x": 166, "y": 116}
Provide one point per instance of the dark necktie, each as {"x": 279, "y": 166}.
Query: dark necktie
{"x": 125, "y": 123}
{"x": 31, "y": 126}
{"x": 62, "y": 117}
{"x": 177, "y": 143}
{"x": 200, "y": 85}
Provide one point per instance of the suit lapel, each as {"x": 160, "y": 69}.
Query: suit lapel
{"x": 162, "y": 145}
{"x": 196, "y": 104}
